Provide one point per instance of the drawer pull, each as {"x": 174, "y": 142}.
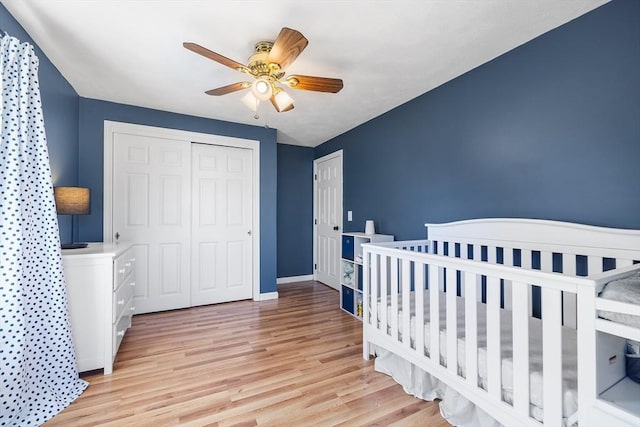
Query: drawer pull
{"x": 133, "y": 260}
{"x": 121, "y": 302}
{"x": 121, "y": 271}
{"x": 120, "y": 333}
{"x": 127, "y": 264}
{"x": 133, "y": 308}
{"x": 132, "y": 284}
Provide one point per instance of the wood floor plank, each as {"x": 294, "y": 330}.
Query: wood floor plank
{"x": 294, "y": 361}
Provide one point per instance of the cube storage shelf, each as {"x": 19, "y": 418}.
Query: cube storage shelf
{"x": 619, "y": 400}
{"x": 351, "y": 269}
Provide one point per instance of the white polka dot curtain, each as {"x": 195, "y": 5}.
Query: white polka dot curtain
{"x": 38, "y": 371}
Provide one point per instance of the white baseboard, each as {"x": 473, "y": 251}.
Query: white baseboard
{"x": 291, "y": 279}
{"x": 266, "y": 296}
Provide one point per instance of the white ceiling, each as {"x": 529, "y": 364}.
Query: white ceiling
{"x": 387, "y": 52}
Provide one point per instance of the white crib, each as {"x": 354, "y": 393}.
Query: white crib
{"x": 513, "y": 290}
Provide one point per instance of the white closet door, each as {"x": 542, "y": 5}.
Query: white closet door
{"x": 329, "y": 219}
{"x": 152, "y": 209}
{"x": 222, "y": 214}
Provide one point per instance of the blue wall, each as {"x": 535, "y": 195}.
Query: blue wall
{"x": 60, "y": 109}
{"x": 295, "y": 210}
{"x": 93, "y": 113}
{"x": 549, "y": 130}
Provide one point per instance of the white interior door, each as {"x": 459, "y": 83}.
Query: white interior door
{"x": 328, "y": 210}
{"x": 152, "y": 209}
{"x": 221, "y": 221}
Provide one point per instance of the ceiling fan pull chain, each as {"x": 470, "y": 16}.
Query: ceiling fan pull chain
{"x": 256, "y": 116}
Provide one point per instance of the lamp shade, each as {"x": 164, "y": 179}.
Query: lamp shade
{"x": 283, "y": 101}
{"x": 72, "y": 200}
{"x": 250, "y": 101}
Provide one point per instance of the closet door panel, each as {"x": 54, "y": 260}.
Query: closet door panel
{"x": 222, "y": 241}
{"x": 152, "y": 209}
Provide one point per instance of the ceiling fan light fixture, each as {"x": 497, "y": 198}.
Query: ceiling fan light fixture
{"x": 262, "y": 89}
{"x": 283, "y": 100}
{"x": 250, "y": 101}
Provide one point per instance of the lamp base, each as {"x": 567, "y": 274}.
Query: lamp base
{"x": 73, "y": 245}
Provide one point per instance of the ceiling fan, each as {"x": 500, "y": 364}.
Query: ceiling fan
{"x": 267, "y": 66}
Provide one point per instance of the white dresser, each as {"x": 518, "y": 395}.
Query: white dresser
{"x": 100, "y": 284}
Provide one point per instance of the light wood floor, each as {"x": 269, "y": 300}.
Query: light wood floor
{"x": 294, "y": 361}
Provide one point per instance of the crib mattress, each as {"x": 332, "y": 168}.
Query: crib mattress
{"x": 569, "y": 355}
{"x": 625, "y": 290}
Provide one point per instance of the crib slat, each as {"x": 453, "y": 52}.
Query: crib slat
{"x": 384, "y": 278}
{"x": 394, "y": 298}
{"x": 525, "y": 258}
{"x": 464, "y": 252}
{"x": 507, "y": 256}
{"x": 452, "y": 314}
{"x": 569, "y": 300}
{"x": 493, "y": 337}
{"x": 464, "y": 255}
{"x": 520, "y": 301}
{"x": 623, "y": 262}
{"x": 477, "y": 252}
{"x": 546, "y": 261}
{"x": 507, "y": 259}
{"x": 551, "y": 356}
{"x": 477, "y": 255}
{"x": 594, "y": 265}
{"x": 435, "y": 276}
{"x": 525, "y": 262}
{"x": 471, "y": 328}
{"x": 419, "y": 293}
{"x": 492, "y": 255}
{"x": 366, "y": 301}
{"x": 406, "y": 303}
{"x": 373, "y": 291}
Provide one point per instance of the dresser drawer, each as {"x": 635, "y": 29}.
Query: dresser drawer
{"x": 121, "y": 326}
{"x": 123, "y": 266}
{"x": 122, "y": 295}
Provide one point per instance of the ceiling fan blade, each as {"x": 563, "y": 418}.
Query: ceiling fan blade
{"x": 289, "y": 44}
{"x": 228, "y": 88}
{"x": 214, "y": 56}
{"x": 318, "y": 84}
{"x": 275, "y": 105}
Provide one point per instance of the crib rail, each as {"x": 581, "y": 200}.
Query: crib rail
{"x": 551, "y": 246}
{"x": 394, "y": 272}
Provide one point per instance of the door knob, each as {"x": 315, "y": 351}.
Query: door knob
{"x": 249, "y": 232}
{"x": 117, "y": 236}
{"x": 336, "y": 228}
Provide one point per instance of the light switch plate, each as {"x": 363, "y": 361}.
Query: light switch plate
{"x": 349, "y": 215}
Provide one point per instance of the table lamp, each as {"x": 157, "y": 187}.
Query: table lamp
{"x": 72, "y": 201}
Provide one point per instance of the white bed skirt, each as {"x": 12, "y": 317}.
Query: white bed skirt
{"x": 455, "y": 408}
{"x": 416, "y": 382}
